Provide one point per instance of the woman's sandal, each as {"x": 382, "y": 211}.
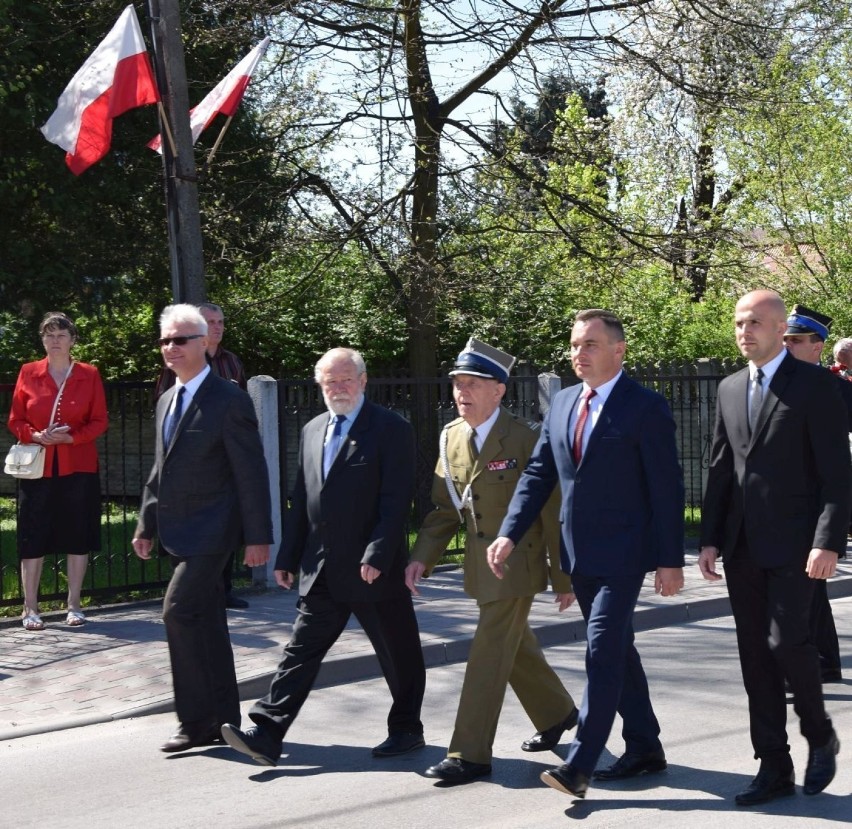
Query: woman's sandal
{"x": 32, "y": 621}
{"x": 75, "y": 618}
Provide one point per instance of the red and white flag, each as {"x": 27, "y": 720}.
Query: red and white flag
{"x": 224, "y": 98}
{"x": 116, "y": 77}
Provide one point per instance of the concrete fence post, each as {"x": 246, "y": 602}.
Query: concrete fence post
{"x": 263, "y": 391}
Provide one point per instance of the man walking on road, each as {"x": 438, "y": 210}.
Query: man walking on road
{"x": 345, "y": 535}
{"x": 776, "y": 508}
{"x": 610, "y": 444}
{"x": 207, "y": 494}
{"x": 482, "y": 455}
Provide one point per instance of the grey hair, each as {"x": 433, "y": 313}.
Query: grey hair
{"x": 843, "y": 344}
{"x": 211, "y": 306}
{"x": 335, "y": 354}
{"x": 182, "y": 313}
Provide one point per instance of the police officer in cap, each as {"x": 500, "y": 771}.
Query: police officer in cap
{"x": 807, "y": 331}
{"x": 482, "y": 455}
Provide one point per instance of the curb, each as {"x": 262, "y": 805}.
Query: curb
{"x": 355, "y": 668}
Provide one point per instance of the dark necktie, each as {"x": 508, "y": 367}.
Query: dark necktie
{"x": 333, "y": 445}
{"x": 174, "y": 419}
{"x": 473, "y": 450}
{"x": 756, "y": 398}
{"x": 579, "y": 427}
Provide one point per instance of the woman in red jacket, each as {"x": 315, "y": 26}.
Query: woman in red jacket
{"x": 60, "y": 512}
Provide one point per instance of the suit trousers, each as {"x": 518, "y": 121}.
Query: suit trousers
{"x": 504, "y": 651}
{"x": 823, "y": 629}
{"x": 771, "y": 608}
{"x": 391, "y": 627}
{"x": 616, "y": 680}
{"x": 205, "y": 682}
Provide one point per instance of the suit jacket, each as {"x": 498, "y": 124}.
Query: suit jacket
{"x": 622, "y": 507}
{"x": 358, "y": 514}
{"x": 82, "y": 407}
{"x": 785, "y": 486}
{"x": 209, "y": 492}
{"x": 493, "y": 477}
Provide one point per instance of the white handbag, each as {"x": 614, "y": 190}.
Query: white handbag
{"x": 26, "y": 460}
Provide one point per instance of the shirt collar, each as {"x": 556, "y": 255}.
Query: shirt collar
{"x": 769, "y": 368}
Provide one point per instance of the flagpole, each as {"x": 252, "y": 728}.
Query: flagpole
{"x": 166, "y": 128}
{"x": 218, "y": 141}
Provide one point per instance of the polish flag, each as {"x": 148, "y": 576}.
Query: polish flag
{"x": 117, "y": 77}
{"x": 224, "y": 98}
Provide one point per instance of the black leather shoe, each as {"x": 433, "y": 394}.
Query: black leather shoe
{"x": 548, "y": 739}
{"x": 400, "y": 743}
{"x": 831, "y": 675}
{"x": 182, "y": 740}
{"x": 769, "y": 784}
{"x": 566, "y": 779}
{"x": 256, "y": 742}
{"x": 455, "y": 770}
{"x": 632, "y": 765}
{"x": 822, "y": 765}
{"x": 233, "y": 602}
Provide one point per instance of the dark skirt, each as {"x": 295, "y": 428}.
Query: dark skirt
{"x": 60, "y": 515}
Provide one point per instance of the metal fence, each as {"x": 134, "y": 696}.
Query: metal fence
{"x": 127, "y": 451}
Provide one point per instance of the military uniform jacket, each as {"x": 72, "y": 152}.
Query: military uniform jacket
{"x": 493, "y": 476}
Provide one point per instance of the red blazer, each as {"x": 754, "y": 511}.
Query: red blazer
{"x": 82, "y": 407}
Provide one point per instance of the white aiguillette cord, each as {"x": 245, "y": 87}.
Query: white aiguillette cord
{"x": 463, "y": 501}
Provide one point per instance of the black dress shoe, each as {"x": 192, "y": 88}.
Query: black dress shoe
{"x": 822, "y": 765}
{"x": 566, "y": 779}
{"x": 831, "y": 675}
{"x": 454, "y": 770}
{"x": 258, "y": 743}
{"x": 400, "y": 743}
{"x": 769, "y": 784}
{"x": 632, "y": 765}
{"x": 182, "y": 740}
{"x": 233, "y": 602}
{"x": 548, "y": 739}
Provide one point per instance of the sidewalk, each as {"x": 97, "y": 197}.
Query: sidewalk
{"x": 117, "y": 665}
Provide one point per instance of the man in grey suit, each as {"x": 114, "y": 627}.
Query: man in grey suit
{"x": 207, "y": 494}
{"x": 345, "y": 535}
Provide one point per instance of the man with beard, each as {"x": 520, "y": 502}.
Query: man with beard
{"x": 345, "y": 535}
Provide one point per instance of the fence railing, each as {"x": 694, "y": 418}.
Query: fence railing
{"x": 127, "y": 452}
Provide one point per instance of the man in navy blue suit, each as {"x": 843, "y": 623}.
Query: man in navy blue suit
{"x": 610, "y": 443}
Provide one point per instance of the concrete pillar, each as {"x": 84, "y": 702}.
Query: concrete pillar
{"x": 548, "y": 384}
{"x": 263, "y": 391}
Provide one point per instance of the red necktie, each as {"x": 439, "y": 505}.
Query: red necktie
{"x": 582, "y": 416}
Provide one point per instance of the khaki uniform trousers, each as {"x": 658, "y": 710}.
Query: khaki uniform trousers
{"x": 504, "y": 651}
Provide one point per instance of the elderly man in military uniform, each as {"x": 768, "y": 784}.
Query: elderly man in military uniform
{"x": 482, "y": 455}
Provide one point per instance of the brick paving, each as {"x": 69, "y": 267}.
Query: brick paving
{"x": 117, "y": 664}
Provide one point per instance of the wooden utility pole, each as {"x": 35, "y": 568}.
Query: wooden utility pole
{"x": 186, "y": 252}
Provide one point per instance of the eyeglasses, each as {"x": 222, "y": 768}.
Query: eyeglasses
{"x": 178, "y": 340}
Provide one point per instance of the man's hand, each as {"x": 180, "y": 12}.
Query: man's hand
{"x": 707, "y": 563}
{"x": 668, "y": 580}
{"x": 498, "y": 551}
{"x": 256, "y": 555}
{"x": 142, "y": 547}
{"x": 822, "y": 564}
{"x": 564, "y": 600}
{"x": 284, "y": 578}
{"x": 413, "y": 573}
{"x": 369, "y": 573}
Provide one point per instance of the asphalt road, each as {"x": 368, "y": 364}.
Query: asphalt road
{"x": 112, "y": 775}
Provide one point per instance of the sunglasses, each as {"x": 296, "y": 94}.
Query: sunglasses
{"x": 178, "y": 340}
